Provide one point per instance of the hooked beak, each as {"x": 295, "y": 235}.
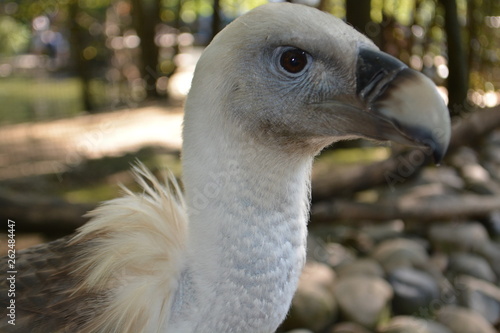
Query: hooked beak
{"x": 404, "y": 99}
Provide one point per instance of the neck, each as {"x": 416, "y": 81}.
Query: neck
{"x": 247, "y": 207}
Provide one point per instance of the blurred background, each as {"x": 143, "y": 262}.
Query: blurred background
{"x": 64, "y": 58}
{"x": 89, "y": 86}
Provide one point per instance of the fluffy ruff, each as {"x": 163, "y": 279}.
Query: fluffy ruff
{"x": 134, "y": 254}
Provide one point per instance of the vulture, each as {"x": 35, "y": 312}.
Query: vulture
{"x": 273, "y": 88}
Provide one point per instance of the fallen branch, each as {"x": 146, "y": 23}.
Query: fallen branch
{"x": 470, "y": 128}
{"x": 422, "y": 210}
{"x": 397, "y": 169}
{"x": 391, "y": 172}
{"x": 46, "y": 215}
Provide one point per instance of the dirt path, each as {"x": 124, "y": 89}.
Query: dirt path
{"x": 48, "y": 147}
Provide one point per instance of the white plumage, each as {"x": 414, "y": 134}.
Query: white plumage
{"x": 272, "y": 89}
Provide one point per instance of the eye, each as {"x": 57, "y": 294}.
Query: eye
{"x": 294, "y": 60}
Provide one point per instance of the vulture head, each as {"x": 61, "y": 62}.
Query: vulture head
{"x": 303, "y": 79}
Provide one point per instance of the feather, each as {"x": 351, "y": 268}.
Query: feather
{"x": 116, "y": 274}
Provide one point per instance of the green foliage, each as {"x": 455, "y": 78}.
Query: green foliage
{"x": 14, "y": 35}
{"x": 401, "y": 10}
{"x": 26, "y": 10}
{"x": 234, "y": 8}
{"x": 192, "y": 9}
{"x": 92, "y": 193}
{"x": 27, "y": 99}
{"x": 94, "y": 4}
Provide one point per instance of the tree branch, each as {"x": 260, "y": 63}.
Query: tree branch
{"x": 469, "y": 129}
{"x": 423, "y": 210}
{"x": 46, "y": 215}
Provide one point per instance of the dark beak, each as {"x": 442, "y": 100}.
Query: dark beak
{"x": 405, "y": 99}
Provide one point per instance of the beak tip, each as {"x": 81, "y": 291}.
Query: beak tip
{"x": 435, "y": 137}
{"x": 438, "y": 153}
{"x": 434, "y": 143}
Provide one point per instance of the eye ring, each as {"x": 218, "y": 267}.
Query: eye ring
{"x": 294, "y": 60}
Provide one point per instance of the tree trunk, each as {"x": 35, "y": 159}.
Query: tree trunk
{"x": 146, "y": 16}
{"x": 178, "y": 10}
{"x": 216, "y": 20}
{"x": 457, "y": 79}
{"x": 323, "y": 5}
{"x": 77, "y": 44}
{"x": 358, "y": 14}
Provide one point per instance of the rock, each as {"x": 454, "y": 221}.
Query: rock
{"x": 348, "y": 327}
{"x": 408, "y": 324}
{"x": 450, "y": 237}
{"x": 364, "y": 300}
{"x": 476, "y": 176}
{"x": 400, "y": 252}
{"x": 470, "y": 264}
{"x": 331, "y": 232}
{"x": 493, "y": 224}
{"x": 329, "y": 253}
{"x": 384, "y": 230}
{"x": 413, "y": 290}
{"x": 314, "y": 305}
{"x": 475, "y": 173}
{"x": 364, "y": 266}
{"x": 492, "y": 163}
{"x": 491, "y": 252}
{"x": 464, "y": 156}
{"x": 439, "y": 260}
{"x": 481, "y": 296}
{"x": 442, "y": 175}
{"x": 462, "y": 320}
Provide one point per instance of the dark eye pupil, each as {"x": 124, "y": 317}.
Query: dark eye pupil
{"x": 293, "y": 61}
